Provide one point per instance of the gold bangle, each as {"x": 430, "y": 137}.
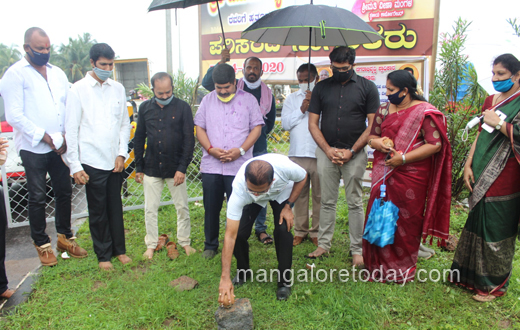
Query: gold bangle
{"x": 470, "y": 156}
{"x": 370, "y": 143}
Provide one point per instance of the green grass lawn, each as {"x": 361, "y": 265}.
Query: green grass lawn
{"x": 76, "y": 295}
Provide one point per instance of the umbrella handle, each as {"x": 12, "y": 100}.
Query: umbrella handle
{"x": 222, "y": 28}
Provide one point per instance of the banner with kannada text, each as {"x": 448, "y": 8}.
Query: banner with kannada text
{"x": 408, "y": 28}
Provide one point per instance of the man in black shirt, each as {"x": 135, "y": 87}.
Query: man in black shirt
{"x": 252, "y": 83}
{"x": 344, "y": 102}
{"x": 166, "y": 123}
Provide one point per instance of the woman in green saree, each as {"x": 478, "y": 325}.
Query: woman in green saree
{"x": 484, "y": 256}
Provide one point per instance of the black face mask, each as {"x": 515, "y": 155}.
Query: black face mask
{"x": 395, "y": 98}
{"x": 341, "y": 76}
{"x": 40, "y": 59}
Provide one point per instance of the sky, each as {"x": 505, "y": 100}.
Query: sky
{"x": 134, "y": 33}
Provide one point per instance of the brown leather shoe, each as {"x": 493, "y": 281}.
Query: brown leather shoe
{"x": 297, "y": 240}
{"x": 7, "y": 294}
{"x": 70, "y": 246}
{"x": 314, "y": 240}
{"x": 47, "y": 257}
{"x": 163, "y": 239}
{"x": 173, "y": 253}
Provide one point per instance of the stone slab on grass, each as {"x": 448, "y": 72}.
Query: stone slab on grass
{"x": 184, "y": 283}
{"x": 237, "y": 317}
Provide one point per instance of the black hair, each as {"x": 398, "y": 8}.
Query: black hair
{"x": 223, "y": 74}
{"x": 402, "y": 79}
{"x": 408, "y": 69}
{"x": 159, "y": 76}
{"x": 259, "y": 172}
{"x": 343, "y": 54}
{"x": 305, "y": 67}
{"x": 508, "y": 61}
{"x": 29, "y": 33}
{"x": 253, "y": 58}
{"x": 101, "y": 50}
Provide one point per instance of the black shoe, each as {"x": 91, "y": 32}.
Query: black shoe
{"x": 209, "y": 254}
{"x": 236, "y": 281}
{"x": 283, "y": 293}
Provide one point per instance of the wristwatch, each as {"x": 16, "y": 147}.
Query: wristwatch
{"x": 242, "y": 151}
{"x": 353, "y": 152}
{"x": 499, "y": 126}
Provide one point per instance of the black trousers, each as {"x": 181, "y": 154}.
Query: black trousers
{"x": 283, "y": 240}
{"x": 105, "y": 212}
{"x": 213, "y": 188}
{"x": 3, "y": 227}
{"x": 36, "y": 168}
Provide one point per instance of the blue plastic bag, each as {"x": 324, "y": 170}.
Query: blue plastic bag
{"x": 381, "y": 223}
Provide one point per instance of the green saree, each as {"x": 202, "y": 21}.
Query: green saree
{"x": 484, "y": 256}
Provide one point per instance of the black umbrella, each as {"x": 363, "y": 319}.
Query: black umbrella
{"x": 169, "y": 4}
{"x": 313, "y": 25}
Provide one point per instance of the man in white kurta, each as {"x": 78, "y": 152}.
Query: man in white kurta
{"x": 97, "y": 131}
{"x": 302, "y": 151}
{"x": 35, "y": 93}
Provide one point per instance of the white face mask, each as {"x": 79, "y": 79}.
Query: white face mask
{"x": 253, "y": 85}
{"x": 256, "y": 198}
{"x": 303, "y": 87}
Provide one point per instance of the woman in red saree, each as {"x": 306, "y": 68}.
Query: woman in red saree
{"x": 418, "y": 177}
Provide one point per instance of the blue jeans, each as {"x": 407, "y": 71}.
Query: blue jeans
{"x": 36, "y": 168}
{"x": 260, "y": 226}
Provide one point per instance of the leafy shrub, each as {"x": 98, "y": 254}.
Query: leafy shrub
{"x": 458, "y": 95}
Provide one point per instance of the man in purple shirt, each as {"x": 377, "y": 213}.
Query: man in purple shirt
{"x": 228, "y": 123}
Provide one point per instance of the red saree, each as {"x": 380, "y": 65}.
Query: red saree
{"x": 421, "y": 190}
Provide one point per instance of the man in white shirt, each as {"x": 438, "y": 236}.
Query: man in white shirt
{"x": 35, "y": 93}
{"x": 97, "y": 130}
{"x": 269, "y": 178}
{"x": 302, "y": 151}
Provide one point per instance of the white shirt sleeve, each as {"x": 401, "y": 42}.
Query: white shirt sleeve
{"x": 124, "y": 132}
{"x": 293, "y": 172}
{"x": 72, "y": 120}
{"x": 236, "y": 204}
{"x": 11, "y": 88}
{"x": 291, "y": 113}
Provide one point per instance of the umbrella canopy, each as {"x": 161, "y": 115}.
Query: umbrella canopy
{"x": 381, "y": 223}
{"x": 169, "y": 4}
{"x": 328, "y": 26}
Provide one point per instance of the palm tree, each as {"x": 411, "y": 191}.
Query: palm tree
{"x": 8, "y": 56}
{"x": 74, "y": 58}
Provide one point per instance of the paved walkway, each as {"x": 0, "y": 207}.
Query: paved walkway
{"x": 22, "y": 262}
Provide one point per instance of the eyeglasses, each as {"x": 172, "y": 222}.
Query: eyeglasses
{"x": 343, "y": 69}
{"x": 259, "y": 193}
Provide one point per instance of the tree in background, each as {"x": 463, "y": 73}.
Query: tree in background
{"x": 184, "y": 88}
{"x": 458, "y": 95}
{"x": 515, "y": 26}
{"x": 8, "y": 56}
{"x": 74, "y": 58}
